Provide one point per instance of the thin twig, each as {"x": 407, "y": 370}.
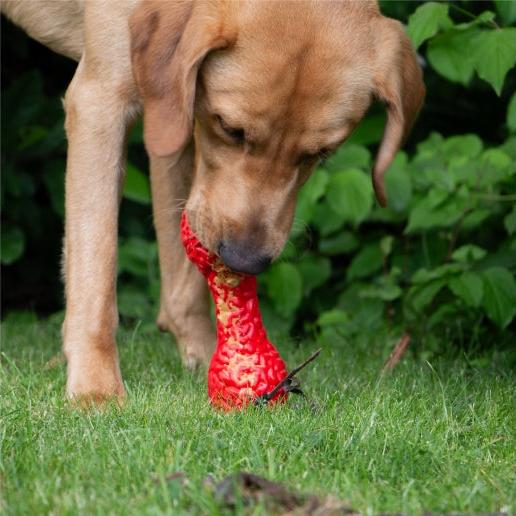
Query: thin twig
{"x": 490, "y": 23}
{"x": 397, "y": 353}
{"x": 265, "y": 398}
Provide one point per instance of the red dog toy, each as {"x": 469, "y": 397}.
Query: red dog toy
{"x": 245, "y": 365}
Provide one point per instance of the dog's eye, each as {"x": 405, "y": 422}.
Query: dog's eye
{"x": 235, "y": 133}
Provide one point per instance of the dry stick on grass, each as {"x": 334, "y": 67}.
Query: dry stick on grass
{"x": 397, "y": 353}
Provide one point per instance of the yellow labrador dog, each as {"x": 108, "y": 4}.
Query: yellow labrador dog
{"x": 240, "y": 98}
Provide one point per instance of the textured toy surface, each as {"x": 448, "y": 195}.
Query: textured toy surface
{"x": 245, "y": 364}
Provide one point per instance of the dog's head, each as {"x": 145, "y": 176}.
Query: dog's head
{"x": 266, "y": 89}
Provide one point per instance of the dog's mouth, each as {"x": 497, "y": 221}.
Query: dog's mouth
{"x": 235, "y": 255}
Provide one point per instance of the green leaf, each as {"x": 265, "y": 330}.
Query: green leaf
{"x": 366, "y": 317}
{"x": 423, "y": 275}
{"x": 426, "y": 21}
{"x": 475, "y": 218}
{"x": 13, "y": 244}
{"x": 326, "y": 220}
{"x": 447, "y": 55}
{"x": 308, "y": 196}
{"x": 305, "y": 210}
{"x": 350, "y": 195}
{"x": 441, "y": 178}
{"x": 464, "y": 145}
{"x": 290, "y": 252}
{"x": 385, "y": 290}
{"x": 431, "y": 145}
{"x": 504, "y": 256}
{"x": 315, "y": 187}
{"x": 343, "y": 243}
{"x": 496, "y": 158}
{"x": 333, "y": 317}
{"x": 366, "y": 314}
{"x": 443, "y": 313}
{"x": 509, "y": 147}
{"x": 386, "y": 245}
{"x": 511, "y": 112}
{"x": 399, "y": 184}
{"x": 276, "y": 324}
{"x": 421, "y": 297}
{"x": 499, "y": 298}
{"x": 469, "y": 287}
{"x": 510, "y": 221}
{"x": 135, "y": 256}
{"x": 31, "y": 135}
{"x": 348, "y": 156}
{"x": 468, "y": 253}
{"x": 506, "y": 10}
{"x": 494, "y": 166}
{"x": 369, "y": 130}
{"x": 315, "y": 271}
{"x": 136, "y": 185}
{"x": 494, "y": 53}
{"x": 284, "y": 287}
{"x": 366, "y": 262}
{"x": 437, "y": 209}
{"x": 461, "y": 171}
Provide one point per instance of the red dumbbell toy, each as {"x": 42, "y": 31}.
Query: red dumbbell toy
{"x": 245, "y": 366}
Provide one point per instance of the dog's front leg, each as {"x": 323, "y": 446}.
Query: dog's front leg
{"x": 96, "y": 122}
{"x": 184, "y": 304}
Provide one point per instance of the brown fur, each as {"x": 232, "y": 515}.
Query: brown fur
{"x": 297, "y": 77}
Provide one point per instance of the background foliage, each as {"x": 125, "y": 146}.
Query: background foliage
{"x": 441, "y": 260}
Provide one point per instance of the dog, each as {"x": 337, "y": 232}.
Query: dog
{"x": 240, "y": 99}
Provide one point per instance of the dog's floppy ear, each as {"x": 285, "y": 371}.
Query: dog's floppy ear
{"x": 399, "y": 83}
{"x": 169, "y": 41}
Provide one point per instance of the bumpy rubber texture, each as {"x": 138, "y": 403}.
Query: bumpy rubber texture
{"x": 245, "y": 364}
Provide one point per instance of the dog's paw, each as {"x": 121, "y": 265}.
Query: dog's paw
{"x": 195, "y": 338}
{"x": 196, "y": 353}
{"x": 193, "y": 362}
{"x": 94, "y": 383}
{"x": 85, "y": 397}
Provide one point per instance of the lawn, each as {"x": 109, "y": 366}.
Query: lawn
{"x": 436, "y": 435}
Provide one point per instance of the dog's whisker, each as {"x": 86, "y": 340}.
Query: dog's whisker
{"x": 174, "y": 209}
{"x": 301, "y": 224}
{"x": 167, "y": 211}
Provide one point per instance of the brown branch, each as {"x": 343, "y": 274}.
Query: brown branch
{"x": 397, "y": 353}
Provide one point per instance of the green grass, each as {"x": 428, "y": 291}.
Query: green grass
{"x": 436, "y": 436}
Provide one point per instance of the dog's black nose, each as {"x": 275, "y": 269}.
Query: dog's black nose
{"x": 241, "y": 258}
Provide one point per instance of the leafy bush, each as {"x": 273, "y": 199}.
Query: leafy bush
{"x": 32, "y": 194}
{"x": 423, "y": 262}
{"x": 441, "y": 259}
{"x": 491, "y": 49}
